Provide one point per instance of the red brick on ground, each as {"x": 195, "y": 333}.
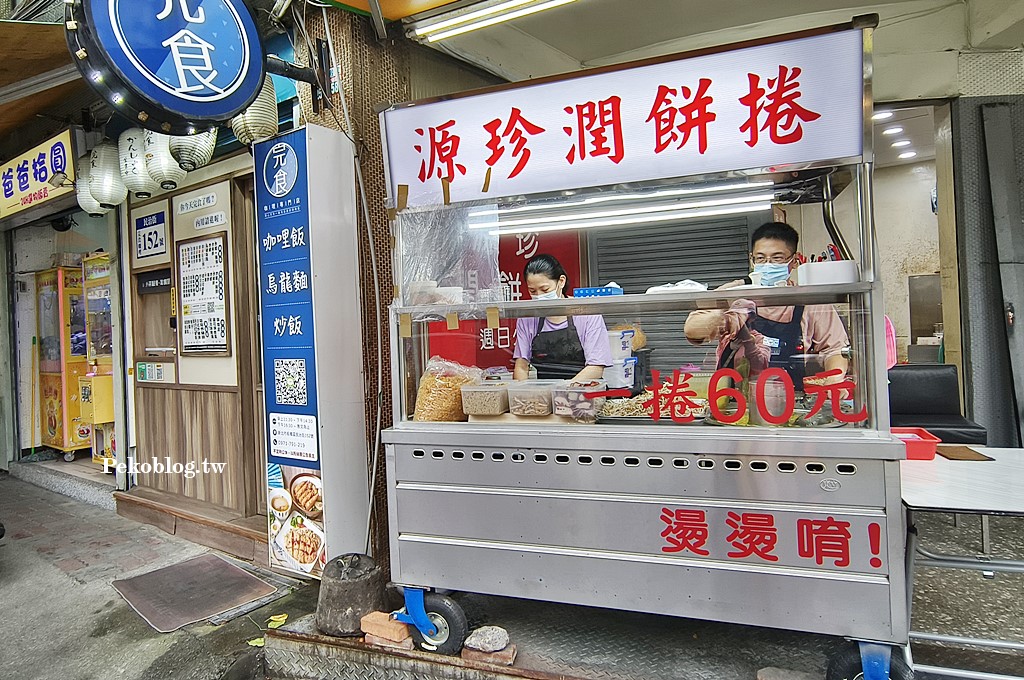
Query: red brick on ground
{"x": 505, "y": 657}
{"x": 382, "y": 642}
{"x": 380, "y": 624}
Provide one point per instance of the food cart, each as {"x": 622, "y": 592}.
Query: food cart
{"x": 665, "y": 497}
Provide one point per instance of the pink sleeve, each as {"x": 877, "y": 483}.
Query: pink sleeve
{"x": 824, "y": 330}
{"x": 890, "y": 344}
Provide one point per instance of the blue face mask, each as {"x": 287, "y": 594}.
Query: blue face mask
{"x": 771, "y": 273}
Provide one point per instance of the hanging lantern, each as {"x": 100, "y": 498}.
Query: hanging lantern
{"x": 194, "y": 151}
{"x": 162, "y": 167}
{"x": 85, "y": 200}
{"x": 259, "y": 121}
{"x": 105, "y": 183}
{"x": 133, "y": 164}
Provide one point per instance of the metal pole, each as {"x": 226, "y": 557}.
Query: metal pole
{"x": 966, "y": 675}
{"x": 829, "y": 218}
{"x": 968, "y": 641}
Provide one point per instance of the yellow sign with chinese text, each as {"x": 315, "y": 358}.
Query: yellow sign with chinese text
{"x": 25, "y": 179}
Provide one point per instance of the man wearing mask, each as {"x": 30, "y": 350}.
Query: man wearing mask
{"x": 772, "y": 336}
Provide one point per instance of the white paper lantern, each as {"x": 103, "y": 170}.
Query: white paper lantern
{"x": 194, "y": 151}
{"x": 105, "y": 183}
{"x": 259, "y": 121}
{"x": 132, "y": 157}
{"x": 85, "y": 200}
{"x": 162, "y": 167}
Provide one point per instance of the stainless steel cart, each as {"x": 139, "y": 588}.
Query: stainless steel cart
{"x": 798, "y": 528}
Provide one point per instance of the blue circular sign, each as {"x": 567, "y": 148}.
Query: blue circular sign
{"x": 189, "y": 61}
{"x": 280, "y": 169}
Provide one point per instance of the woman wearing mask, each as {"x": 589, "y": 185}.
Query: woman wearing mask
{"x": 772, "y": 336}
{"x": 559, "y": 347}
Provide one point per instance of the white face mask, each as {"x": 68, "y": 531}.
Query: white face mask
{"x": 551, "y": 295}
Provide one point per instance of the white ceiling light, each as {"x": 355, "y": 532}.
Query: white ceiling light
{"x": 644, "y": 219}
{"x": 907, "y": 154}
{"x": 674, "y": 207}
{"x": 882, "y": 115}
{"x": 425, "y": 27}
{"x": 892, "y": 131}
{"x": 637, "y": 196}
{"x": 900, "y": 144}
{"x": 448, "y": 25}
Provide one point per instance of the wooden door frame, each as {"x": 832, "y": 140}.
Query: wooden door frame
{"x": 249, "y": 360}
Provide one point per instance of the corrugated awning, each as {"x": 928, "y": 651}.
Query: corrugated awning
{"x": 393, "y": 9}
{"x": 36, "y": 72}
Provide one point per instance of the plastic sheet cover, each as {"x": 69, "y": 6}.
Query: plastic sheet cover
{"x": 449, "y": 256}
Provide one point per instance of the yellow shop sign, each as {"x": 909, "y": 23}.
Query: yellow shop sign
{"x": 25, "y": 179}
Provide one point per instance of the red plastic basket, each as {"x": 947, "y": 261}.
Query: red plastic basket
{"x": 920, "y": 442}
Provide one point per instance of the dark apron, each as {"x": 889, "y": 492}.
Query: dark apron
{"x": 557, "y": 354}
{"x": 785, "y": 340}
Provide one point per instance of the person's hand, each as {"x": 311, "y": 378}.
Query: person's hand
{"x": 732, "y": 284}
{"x": 734, "y": 321}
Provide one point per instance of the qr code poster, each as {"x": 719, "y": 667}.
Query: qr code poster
{"x": 290, "y": 382}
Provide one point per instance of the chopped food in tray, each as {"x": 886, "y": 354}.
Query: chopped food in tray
{"x": 641, "y": 407}
{"x": 576, "y": 401}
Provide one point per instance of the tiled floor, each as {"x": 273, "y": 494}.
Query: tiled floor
{"x": 63, "y": 621}
{"x": 60, "y": 555}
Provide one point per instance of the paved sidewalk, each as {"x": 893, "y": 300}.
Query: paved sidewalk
{"x": 63, "y": 621}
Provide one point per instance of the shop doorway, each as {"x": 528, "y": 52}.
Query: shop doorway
{"x": 52, "y": 319}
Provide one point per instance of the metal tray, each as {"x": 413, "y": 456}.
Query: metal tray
{"x": 644, "y": 420}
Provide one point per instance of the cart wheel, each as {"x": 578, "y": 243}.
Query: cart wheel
{"x": 846, "y": 665}
{"x": 69, "y": 456}
{"x": 450, "y": 621}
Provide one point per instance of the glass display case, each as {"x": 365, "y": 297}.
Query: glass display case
{"x": 96, "y": 271}
{"x": 62, "y": 345}
{"x": 452, "y": 307}
{"x": 96, "y": 388}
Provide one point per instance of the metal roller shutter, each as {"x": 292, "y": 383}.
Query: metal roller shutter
{"x": 712, "y": 252}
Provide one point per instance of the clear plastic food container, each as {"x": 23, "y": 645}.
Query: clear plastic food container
{"x": 531, "y": 397}
{"x": 700, "y": 381}
{"x": 621, "y": 373}
{"x": 571, "y": 400}
{"x": 621, "y": 343}
{"x": 487, "y": 399}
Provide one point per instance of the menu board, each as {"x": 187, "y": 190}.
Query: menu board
{"x": 202, "y": 290}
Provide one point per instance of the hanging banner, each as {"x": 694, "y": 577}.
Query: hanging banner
{"x": 25, "y": 179}
{"x": 295, "y": 487}
{"x": 766, "y": 106}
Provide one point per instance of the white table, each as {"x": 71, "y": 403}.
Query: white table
{"x": 989, "y": 487}
{"x": 985, "y": 488}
